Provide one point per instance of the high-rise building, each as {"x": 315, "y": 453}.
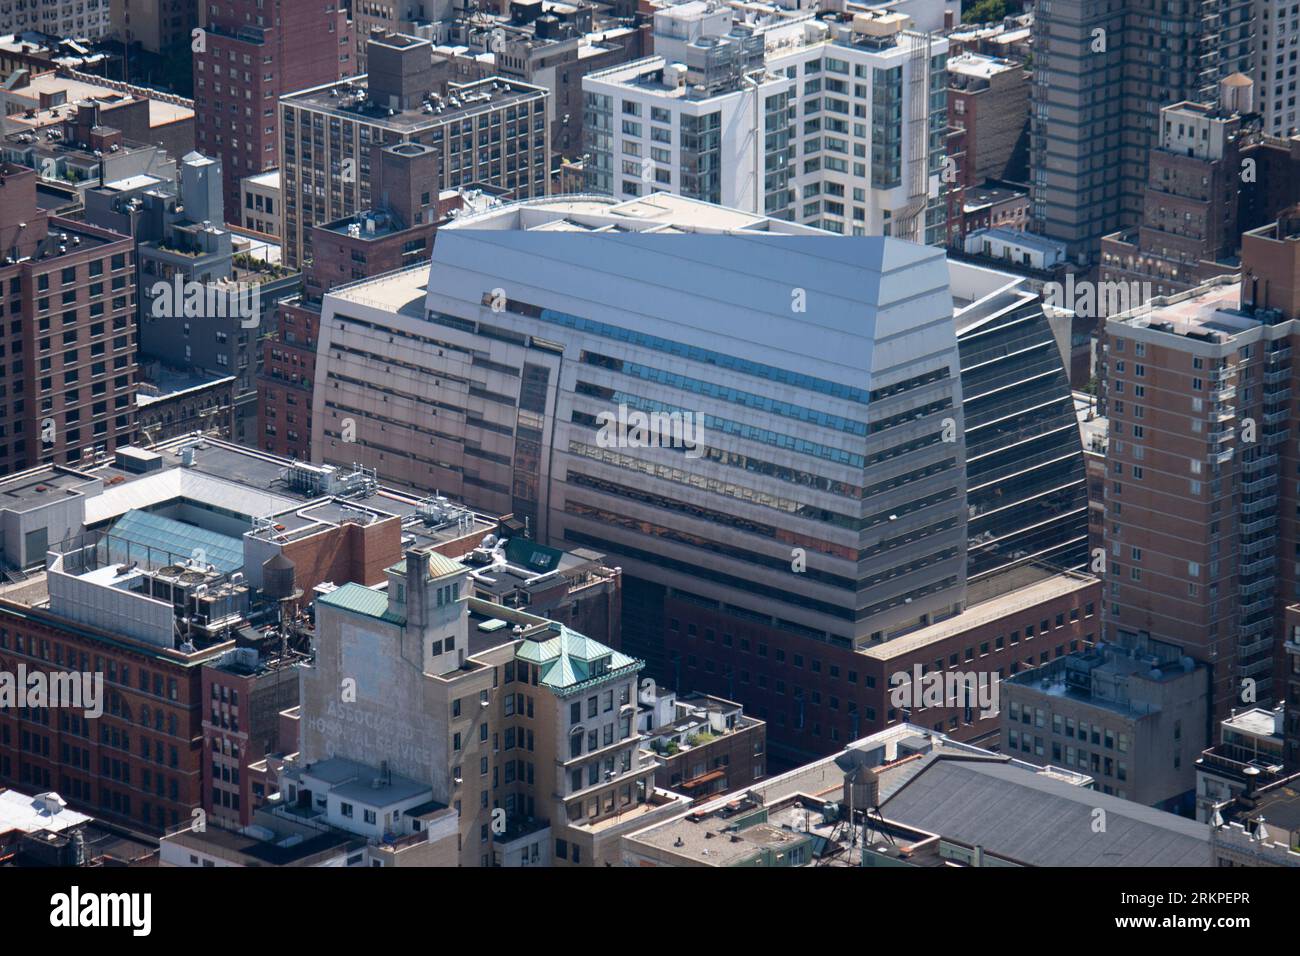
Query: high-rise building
{"x": 491, "y": 133}
{"x": 84, "y": 19}
{"x": 544, "y": 328}
{"x": 156, "y": 25}
{"x": 1102, "y": 71}
{"x": 833, "y": 123}
{"x": 253, "y": 52}
{"x": 1277, "y": 31}
{"x": 1199, "y": 552}
{"x": 69, "y": 331}
{"x": 1189, "y": 229}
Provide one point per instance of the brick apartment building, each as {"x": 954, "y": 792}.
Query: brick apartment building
{"x": 1189, "y": 230}
{"x": 138, "y": 763}
{"x": 1200, "y": 532}
{"x": 254, "y": 52}
{"x": 67, "y": 333}
{"x": 243, "y": 694}
{"x": 492, "y": 132}
{"x": 1291, "y": 720}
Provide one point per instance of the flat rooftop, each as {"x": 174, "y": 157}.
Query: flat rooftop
{"x": 1206, "y": 312}
{"x": 270, "y": 180}
{"x": 32, "y": 812}
{"x": 1019, "y": 589}
{"x": 1257, "y": 722}
{"x": 161, "y": 112}
{"x": 216, "y": 841}
{"x": 982, "y": 196}
{"x": 658, "y": 212}
{"x": 981, "y": 66}
{"x": 1071, "y": 678}
{"x": 239, "y": 481}
{"x": 348, "y": 99}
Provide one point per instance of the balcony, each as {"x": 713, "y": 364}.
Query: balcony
{"x": 1220, "y": 457}
{"x": 1262, "y": 463}
{"x": 1258, "y": 485}
{"x": 1223, "y": 394}
{"x": 1255, "y": 506}
{"x": 1247, "y": 648}
{"x": 1278, "y": 355}
{"x": 1256, "y": 667}
{"x": 1219, "y": 435}
{"x": 1258, "y": 526}
{"x": 1252, "y": 548}
{"x": 1275, "y": 438}
{"x": 1275, "y": 418}
{"x": 1257, "y": 607}
{"x": 1251, "y": 568}
{"x": 1276, "y": 376}
{"x": 1264, "y": 626}
{"x": 1261, "y": 586}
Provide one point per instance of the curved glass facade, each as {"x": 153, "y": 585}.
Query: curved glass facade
{"x": 1025, "y": 481}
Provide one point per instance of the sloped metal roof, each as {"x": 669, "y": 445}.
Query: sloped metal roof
{"x": 1041, "y": 821}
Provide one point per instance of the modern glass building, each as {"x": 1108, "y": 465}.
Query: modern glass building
{"x": 830, "y": 433}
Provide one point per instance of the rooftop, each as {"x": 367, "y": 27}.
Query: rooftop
{"x": 348, "y": 99}
{"x": 280, "y": 850}
{"x": 1111, "y": 678}
{"x": 897, "y": 754}
{"x": 1024, "y": 588}
{"x": 978, "y": 197}
{"x": 568, "y": 659}
{"x": 1041, "y": 821}
{"x": 163, "y": 110}
{"x": 656, "y": 213}
{"x": 1257, "y": 722}
{"x": 44, "y": 811}
{"x": 1209, "y": 312}
{"x": 980, "y": 66}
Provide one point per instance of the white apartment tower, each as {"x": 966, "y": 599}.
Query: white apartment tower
{"x": 1277, "y": 45}
{"x": 85, "y": 19}
{"x": 833, "y": 123}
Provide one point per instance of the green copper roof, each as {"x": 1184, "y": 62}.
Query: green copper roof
{"x": 361, "y": 600}
{"x": 567, "y": 659}
{"x": 438, "y": 566}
